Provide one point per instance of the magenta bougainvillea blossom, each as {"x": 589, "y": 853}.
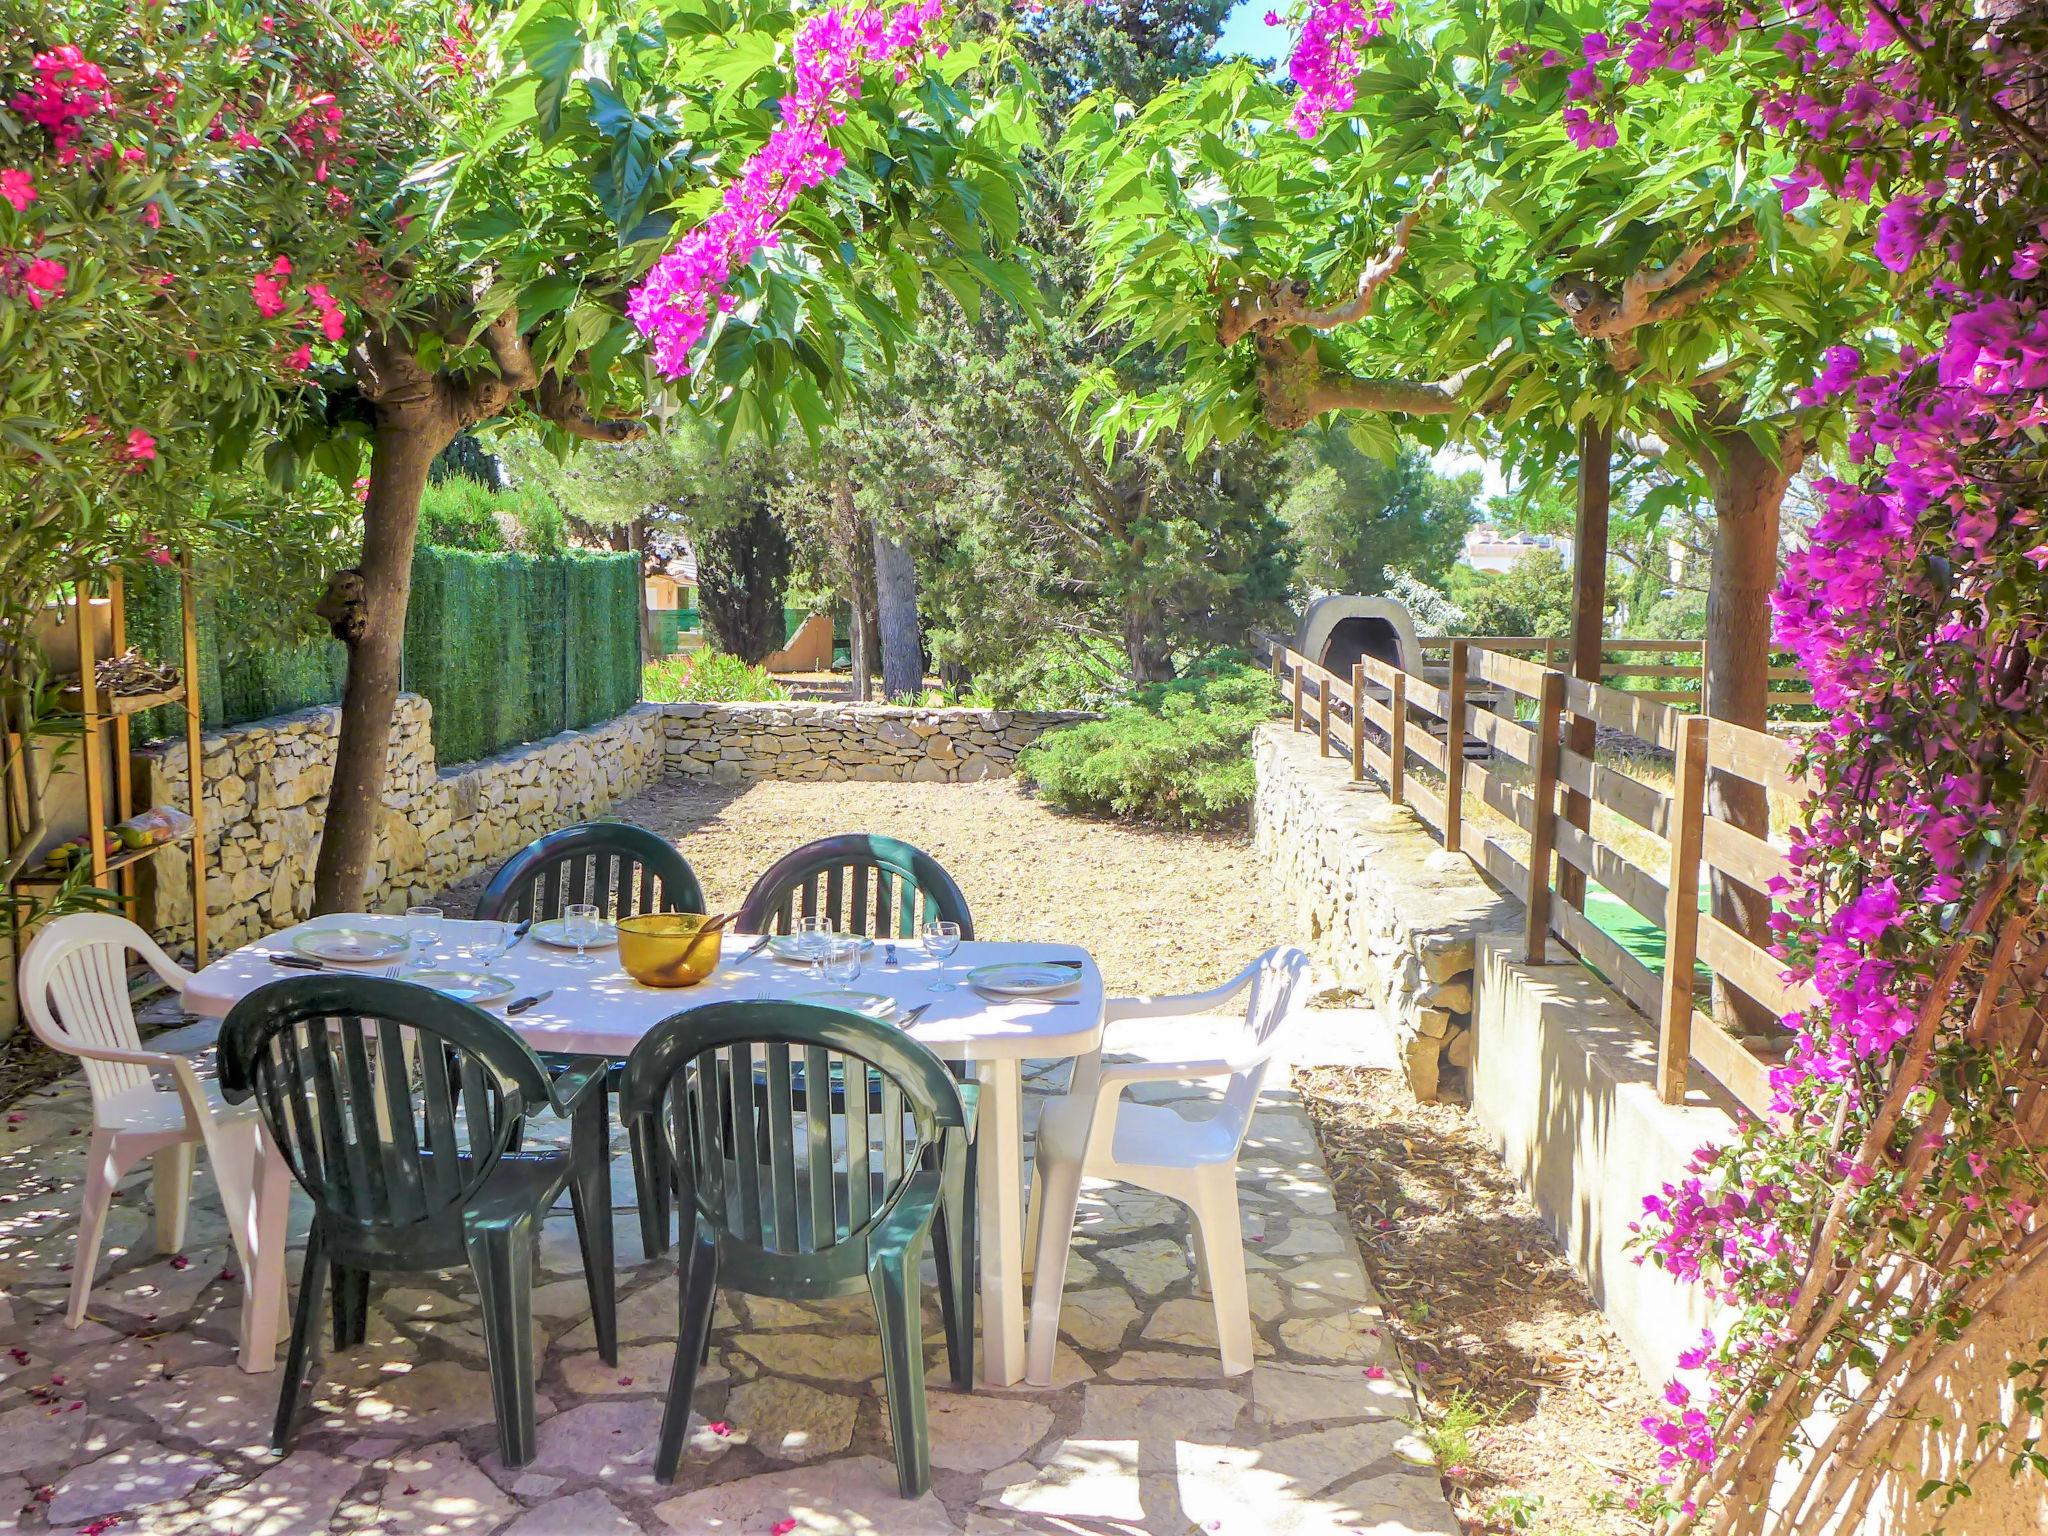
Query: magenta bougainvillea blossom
{"x": 1328, "y": 56}
{"x": 831, "y": 52}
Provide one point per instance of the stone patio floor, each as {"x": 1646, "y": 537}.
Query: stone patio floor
{"x": 140, "y": 1422}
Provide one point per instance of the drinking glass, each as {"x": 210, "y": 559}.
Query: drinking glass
{"x": 423, "y": 927}
{"x": 486, "y": 943}
{"x": 813, "y": 937}
{"x": 941, "y": 938}
{"x": 580, "y": 926}
{"x": 841, "y": 963}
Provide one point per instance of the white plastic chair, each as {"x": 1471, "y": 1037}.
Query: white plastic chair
{"x": 74, "y": 990}
{"x": 1090, "y": 1132}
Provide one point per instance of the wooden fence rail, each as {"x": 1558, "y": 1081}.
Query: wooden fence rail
{"x": 1629, "y": 658}
{"x": 1492, "y": 729}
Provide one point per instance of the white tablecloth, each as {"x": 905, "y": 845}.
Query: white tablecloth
{"x": 599, "y": 1010}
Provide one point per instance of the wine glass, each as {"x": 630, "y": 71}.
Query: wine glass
{"x": 841, "y": 961}
{"x": 423, "y": 927}
{"x": 580, "y": 926}
{"x": 813, "y": 937}
{"x": 486, "y": 943}
{"x": 941, "y": 938}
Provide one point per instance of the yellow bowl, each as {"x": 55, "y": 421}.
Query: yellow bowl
{"x": 662, "y": 949}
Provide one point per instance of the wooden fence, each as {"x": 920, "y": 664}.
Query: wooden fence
{"x": 1399, "y": 726}
{"x": 1653, "y": 668}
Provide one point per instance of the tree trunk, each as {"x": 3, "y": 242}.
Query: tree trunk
{"x": 1145, "y": 648}
{"x": 857, "y": 562}
{"x": 366, "y": 608}
{"x": 636, "y": 541}
{"x": 896, "y": 608}
{"x": 1749, "y": 490}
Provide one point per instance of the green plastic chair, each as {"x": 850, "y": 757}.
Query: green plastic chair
{"x": 623, "y": 870}
{"x": 785, "y": 1207}
{"x": 396, "y": 1109}
{"x": 877, "y": 886}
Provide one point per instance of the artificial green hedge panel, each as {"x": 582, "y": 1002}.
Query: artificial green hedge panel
{"x": 506, "y": 647}
{"x": 251, "y": 664}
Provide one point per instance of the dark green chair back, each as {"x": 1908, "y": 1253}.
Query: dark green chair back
{"x": 398, "y": 1110}
{"x": 391, "y": 1103}
{"x": 878, "y": 886}
{"x": 622, "y": 869}
{"x": 790, "y": 1204}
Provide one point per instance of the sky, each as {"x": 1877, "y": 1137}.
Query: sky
{"x": 1245, "y": 31}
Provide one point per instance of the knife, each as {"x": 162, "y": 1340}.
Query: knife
{"x": 521, "y": 1004}
{"x": 758, "y": 945}
{"x": 297, "y": 962}
{"x": 520, "y": 932}
{"x": 913, "y": 1016}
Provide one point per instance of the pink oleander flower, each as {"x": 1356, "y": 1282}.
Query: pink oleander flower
{"x": 68, "y": 89}
{"x": 45, "y": 280}
{"x": 19, "y": 188}
{"x": 141, "y": 450}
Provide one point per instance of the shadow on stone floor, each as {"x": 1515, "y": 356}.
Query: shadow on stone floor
{"x": 141, "y": 1415}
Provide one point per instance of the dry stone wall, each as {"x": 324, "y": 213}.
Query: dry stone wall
{"x": 266, "y": 787}
{"x": 727, "y": 742}
{"x": 1384, "y": 905}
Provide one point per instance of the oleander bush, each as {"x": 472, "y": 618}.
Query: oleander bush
{"x": 1178, "y": 752}
{"x": 709, "y": 677}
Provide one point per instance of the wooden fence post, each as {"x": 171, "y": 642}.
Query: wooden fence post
{"x": 1682, "y": 911}
{"x": 1454, "y": 750}
{"x": 1297, "y": 693}
{"x": 188, "y": 617}
{"x": 1357, "y": 721}
{"x": 1397, "y": 755}
{"x": 1279, "y": 655}
{"x": 1323, "y": 715}
{"x": 1543, "y": 836}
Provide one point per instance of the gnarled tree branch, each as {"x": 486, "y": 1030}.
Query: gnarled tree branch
{"x": 1600, "y": 312}
{"x": 1265, "y": 308}
{"x": 562, "y": 402}
{"x": 1297, "y": 386}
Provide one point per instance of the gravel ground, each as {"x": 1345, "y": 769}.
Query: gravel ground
{"x": 1160, "y": 910}
{"x": 1532, "y": 1401}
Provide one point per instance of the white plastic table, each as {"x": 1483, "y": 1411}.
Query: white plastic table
{"x": 602, "y": 1011}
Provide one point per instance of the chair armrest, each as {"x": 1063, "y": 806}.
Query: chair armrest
{"x": 1116, "y": 1009}
{"x": 970, "y": 1100}
{"x": 1127, "y": 1073}
{"x": 162, "y": 1061}
{"x": 183, "y": 1078}
{"x": 569, "y": 1088}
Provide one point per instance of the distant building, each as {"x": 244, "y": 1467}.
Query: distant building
{"x": 671, "y": 577}
{"x": 1487, "y": 548}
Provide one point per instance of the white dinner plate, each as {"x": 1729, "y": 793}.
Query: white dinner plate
{"x": 555, "y": 933}
{"x": 359, "y": 946}
{"x": 1024, "y": 978}
{"x": 463, "y": 986}
{"x": 788, "y": 947}
{"x": 873, "y": 1004}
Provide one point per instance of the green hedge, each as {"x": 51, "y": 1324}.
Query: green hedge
{"x": 507, "y": 648}
{"x": 512, "y": 648}
{"x": 251, "y": 662}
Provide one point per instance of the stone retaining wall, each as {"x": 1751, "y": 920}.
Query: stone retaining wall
{"x": 851, "y": 741}
{"x": 1380, "y": 900}
{"x": 266, "y": 789}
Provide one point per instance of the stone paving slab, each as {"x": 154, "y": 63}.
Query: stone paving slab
{"x": 141, "y": 1416}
